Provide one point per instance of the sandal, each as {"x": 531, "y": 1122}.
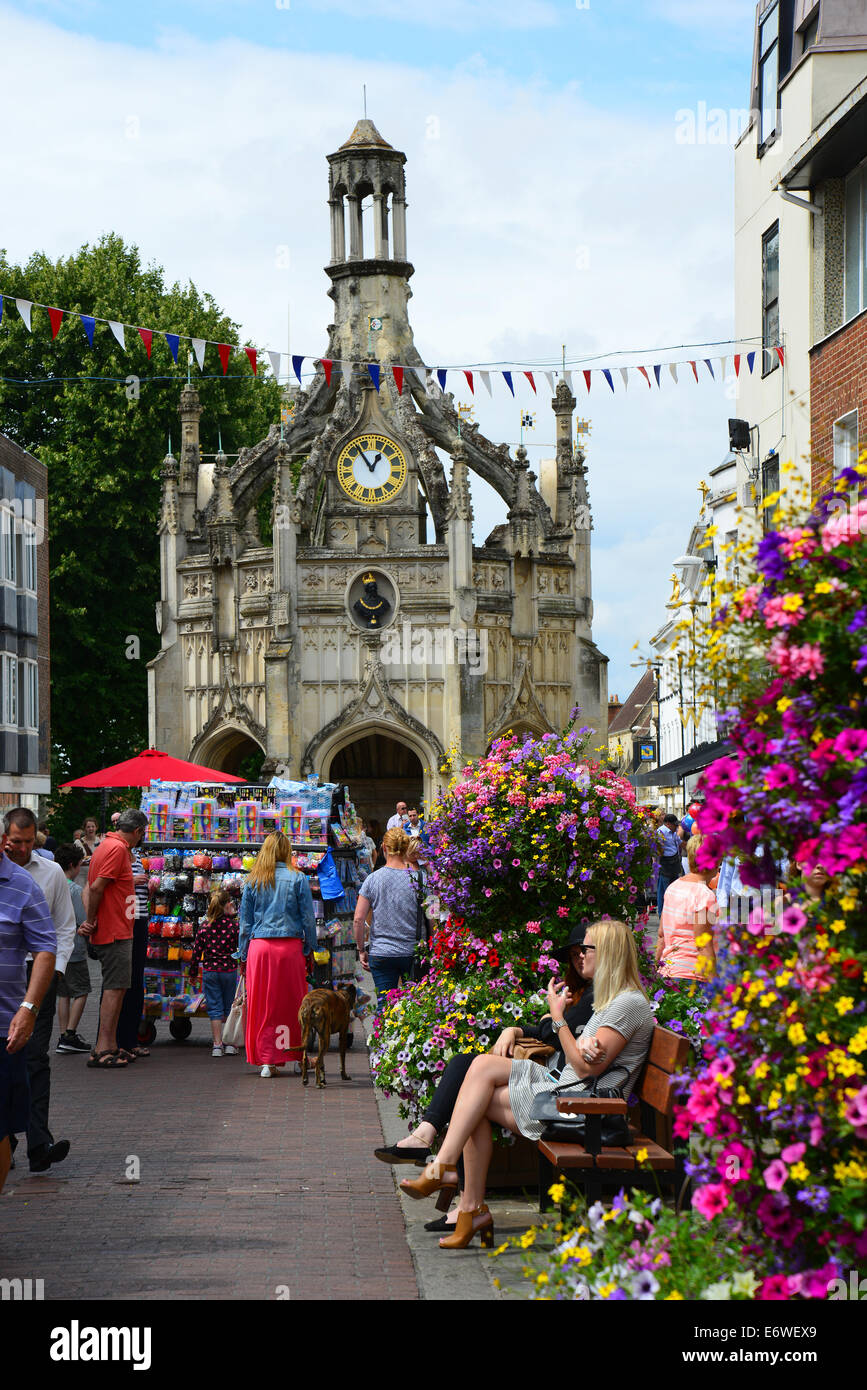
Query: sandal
{"x": 141, "y": 1052}
{"x": 105, "y": 1061}
{"x": 124, "y": 1055}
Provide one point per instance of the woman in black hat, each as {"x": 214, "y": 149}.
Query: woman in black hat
{"x": 415, "y": 1148}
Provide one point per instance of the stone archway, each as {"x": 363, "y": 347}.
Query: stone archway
{"x": 379, "y": 770}
{"x": 230, "y": 749}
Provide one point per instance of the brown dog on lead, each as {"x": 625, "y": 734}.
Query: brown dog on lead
{"x": 323, "y": 1012}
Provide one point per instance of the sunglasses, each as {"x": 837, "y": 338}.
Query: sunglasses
{"x": 582, "y": 949}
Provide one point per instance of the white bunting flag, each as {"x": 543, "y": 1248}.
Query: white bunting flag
{"x": 199, "y": 350}
{"x": 421, "y": 373}
{"x": 24, "y": 306}
{"x": 567, "y": 377}
{"x": 117, "y": 330}
{"x": 275, "y": 364}
{"x": 624, "y": 372}
{"x": 346, "y": 369}
{"x": 549, "y": 377}
{"x": 722, "y": 366}
{"x": 485, "y": 378}
{"x": 672, "y": 367}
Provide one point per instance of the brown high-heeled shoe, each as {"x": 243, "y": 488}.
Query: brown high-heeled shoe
{"x": 435, "y": 1177}
{"x": 465, "y": 1229}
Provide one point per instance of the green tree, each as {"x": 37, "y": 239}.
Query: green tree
{"x": 69, "y": 404}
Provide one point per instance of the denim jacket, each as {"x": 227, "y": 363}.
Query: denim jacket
{"x": 284, "y": 910}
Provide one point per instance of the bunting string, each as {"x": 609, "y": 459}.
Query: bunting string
{"x": 744, "y": 358}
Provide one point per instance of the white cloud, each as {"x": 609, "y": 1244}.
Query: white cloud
{"x": 534, "y": 219}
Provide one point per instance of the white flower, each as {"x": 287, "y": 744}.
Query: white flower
{"x": 718, "y": 1293}
{"x": 746, "y": 1283}
{"x": 595, "y": 1216}
{"x": 635, "y": 1216}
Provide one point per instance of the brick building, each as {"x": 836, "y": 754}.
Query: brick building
{"x": 801, "y": 244}
{"x": 25, "y": 734}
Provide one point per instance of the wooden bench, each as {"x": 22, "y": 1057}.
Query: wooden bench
{"x": 593, "y": 1166}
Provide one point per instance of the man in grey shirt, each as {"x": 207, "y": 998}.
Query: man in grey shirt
{"x": 390, "y": 895}
{"x": 20, "y": 825}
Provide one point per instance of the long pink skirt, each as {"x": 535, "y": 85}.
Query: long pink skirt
{"x": 276, "y": 985}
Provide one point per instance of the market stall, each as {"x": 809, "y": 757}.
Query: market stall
{"x": 201, "y": 838}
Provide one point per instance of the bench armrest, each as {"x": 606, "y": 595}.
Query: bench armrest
{"x": 592, "y": 1105}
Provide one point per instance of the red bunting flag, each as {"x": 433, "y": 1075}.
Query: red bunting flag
{"x": 737, "y": 364}
{"x": 327, "y": 365}
{"x": 643, "y": 371}
{"x": 529, "y": 376}
{"x": 469, "y": 377}
{"x": 397, "y": 373}
{"x": 694, "y": 370}
{"x": 146, "y": 335}
{"x": 251, "y": 353}
{"x": 779, "y": 352}
{"x": 587, "y": 379}
{"x": 56, "y": 316}
{"x": 224, "y": 349}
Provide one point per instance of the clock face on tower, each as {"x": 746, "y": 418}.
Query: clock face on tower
{"x": 371, "y": 469}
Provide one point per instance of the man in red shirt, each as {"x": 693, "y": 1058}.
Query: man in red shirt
{"x": 109, "y": 901}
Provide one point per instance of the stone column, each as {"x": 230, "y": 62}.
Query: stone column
{"x": 354, "y": 226}
{"x": 190, "y": 411}
{"x": 338, "y": 231}
{"x": 380, "y": 228}
{"x": 398, "y": 213}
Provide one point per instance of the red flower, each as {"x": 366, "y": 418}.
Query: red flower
{"x": 851, "y": 968}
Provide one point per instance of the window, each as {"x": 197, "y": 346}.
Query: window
{"x": 29, "y": 694}
{"x": 27, "y": 565}
{"x": 855, "y": 240}
{"x": 770, "y": 298}
{"x": 9, "y": 692}
{"x": 769, "y": 65}
{"x": 845, "y": 442}
{"x": 8, "y": 567}
{"x": 770, "y": 484}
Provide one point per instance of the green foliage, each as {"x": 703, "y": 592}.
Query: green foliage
{"x": 103, "y": 452}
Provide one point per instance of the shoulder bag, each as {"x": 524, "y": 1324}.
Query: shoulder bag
{"x": 233, "y": 1028}
{"x": 570, "y": 1129}
{"x": 532, "y": 1050}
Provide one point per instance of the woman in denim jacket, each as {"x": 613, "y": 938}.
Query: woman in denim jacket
{"x": 278, "y": 929}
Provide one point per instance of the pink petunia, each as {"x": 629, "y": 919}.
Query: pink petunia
{"x": 775, "y": 1288}
{"x": 793, "y": 920}
{"x": 793, "y": 1153}
{"x": 711, "y": 1200}
{"x": 775, "y": 1175}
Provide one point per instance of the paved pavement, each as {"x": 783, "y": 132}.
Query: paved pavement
{"x": 247, "y": 1189}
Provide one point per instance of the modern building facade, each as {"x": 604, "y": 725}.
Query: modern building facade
{"x": 801, "y": 244}
{"x": 25, "y": 734}
{"x": 362, "y": 635}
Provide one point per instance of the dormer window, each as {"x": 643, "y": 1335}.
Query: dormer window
{"x": 769, "y": 73}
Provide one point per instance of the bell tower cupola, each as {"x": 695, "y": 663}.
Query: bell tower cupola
{"x": 368, "y": 269}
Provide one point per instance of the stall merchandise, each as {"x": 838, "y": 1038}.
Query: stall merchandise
{"x": 184, "y": 871}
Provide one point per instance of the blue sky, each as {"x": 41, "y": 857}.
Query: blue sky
{"x": 554, "y": 204}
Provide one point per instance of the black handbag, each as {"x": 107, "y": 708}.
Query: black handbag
{"x": 572, "y": 1129}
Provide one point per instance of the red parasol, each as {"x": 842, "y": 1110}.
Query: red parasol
{"x": 146, "y": 767}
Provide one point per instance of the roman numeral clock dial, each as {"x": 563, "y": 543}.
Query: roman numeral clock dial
{"x": 371, "y": 469}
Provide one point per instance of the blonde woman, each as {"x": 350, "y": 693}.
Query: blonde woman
{"x": 500, "y": 1090}
{"x": 689, "y": 914}
{"x": 278, "y": 929}
{"x": 389, "y": 894}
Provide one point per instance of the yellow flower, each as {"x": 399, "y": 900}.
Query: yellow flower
{"x": 859, "y": 1042}
{"x": 528, "y": 1238}
{"x": 557, "y": 1191}
{"x": 641, "y": 1156}
{"x": 673, "y": 1297}
{"x": 742, "y": 1096}
{"x": 845, "y": 1005}
{"x": 761, "y": 1071}
{"x": 823, "y": 587}
{"x": 768, "y": 998}
{"x": 784, "y": 704}
{"x": 823, "y": 1038}
{"x": 783, "y": 978}
{"x": 849, "y": 903}
{"x": 792, "y": 602}
{"x": 837, "y": 926}
{"x": 541, "y": 1278}
{"x": 739, "y": 1019}
{"x": 791, "y": 1081}
{"x": 797, "y": 1034}
{"x": 774, "y": 1100}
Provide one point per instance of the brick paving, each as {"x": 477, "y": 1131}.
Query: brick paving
{"x": 248, "y": 1188}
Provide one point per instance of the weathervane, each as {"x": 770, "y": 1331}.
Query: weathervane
{"x": 528, "y": 422}
{"x": 465, "y": 412}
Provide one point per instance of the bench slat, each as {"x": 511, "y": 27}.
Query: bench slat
{"x": 655, "y": 1088}
{"x": 591, "y": 1105}
{"x": 668, "y": 1050}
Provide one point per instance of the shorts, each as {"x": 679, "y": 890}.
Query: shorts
{"x": 220, "y": 987}
{"x": 75, "y": 983}
{"x": 115, "y": 957}
{"x": 14, "y": 1092}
